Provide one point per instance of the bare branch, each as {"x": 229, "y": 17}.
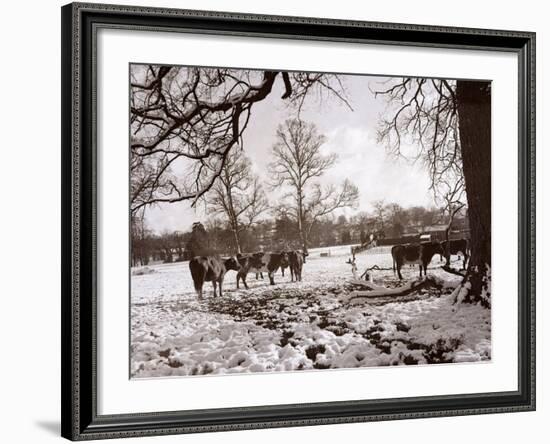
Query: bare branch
{"x": 183, "y": 119}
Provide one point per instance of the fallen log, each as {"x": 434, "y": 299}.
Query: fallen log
{"x": 376, "y": 291}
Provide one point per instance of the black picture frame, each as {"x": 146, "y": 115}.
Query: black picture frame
{"x": 79, "y": 385}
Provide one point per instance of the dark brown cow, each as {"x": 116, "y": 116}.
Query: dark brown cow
{"x": 289, "y": 253}
{"x": 296, "y": 260}
{"x": 421, "y": 254}
{"x": 457, "y": 246}
{"x": 271, "y": 262}
{"x": 212, "y": 269}
{"x": 248, "y": 262}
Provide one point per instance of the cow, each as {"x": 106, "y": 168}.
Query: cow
{"x": 421, "y": 254}
{"x": 248, "y": 262}
{"x": 284, "y": 267}
{"x": 290, "y": 254}
{"x": 271, "y": 262}
{"x": 457, "y": 246}
{"x": 212, "y": 269}
{"x": 296, "y": 260}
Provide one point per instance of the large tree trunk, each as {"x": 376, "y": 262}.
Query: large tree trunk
{"x": 303, "y": 237}
{"x": 474, "y": 112}
{"x": 237, "y": 239}
{"x": 301, "y": 222}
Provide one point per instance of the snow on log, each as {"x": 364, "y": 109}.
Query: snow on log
{"x": 376, "y": 291}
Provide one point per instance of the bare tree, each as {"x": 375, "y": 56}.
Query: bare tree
{"x": 448, "y": 125}
{"x": 237, "y": 195}
{"x": 184, "y": 119}
{"x": 380, "y": 210}
{"x": 381, "y": 217}
{"x": 140, "y": 239}
{"x": 297, "y": 163}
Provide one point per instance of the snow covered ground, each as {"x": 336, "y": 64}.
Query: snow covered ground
{"x": 298, "y": 326}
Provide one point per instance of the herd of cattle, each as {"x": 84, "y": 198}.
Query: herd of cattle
{"x": 213, "y": 268}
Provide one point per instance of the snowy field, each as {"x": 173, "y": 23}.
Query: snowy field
{"x": 291, "y": 326}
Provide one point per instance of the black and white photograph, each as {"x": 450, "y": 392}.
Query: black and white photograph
{"x": 289, "y": 221}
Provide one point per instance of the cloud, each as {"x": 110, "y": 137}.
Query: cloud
{"x": 378, "y": 174}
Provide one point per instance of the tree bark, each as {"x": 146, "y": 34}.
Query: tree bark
{"x": 301, "y": 227}
{"x": 473, "y": 100}
{"x": 237, "y": 239}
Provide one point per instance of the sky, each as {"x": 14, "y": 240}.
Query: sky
{"x": 351, "y": 134}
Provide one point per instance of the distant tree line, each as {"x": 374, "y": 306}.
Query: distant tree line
{"x": 279, "y": 232}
